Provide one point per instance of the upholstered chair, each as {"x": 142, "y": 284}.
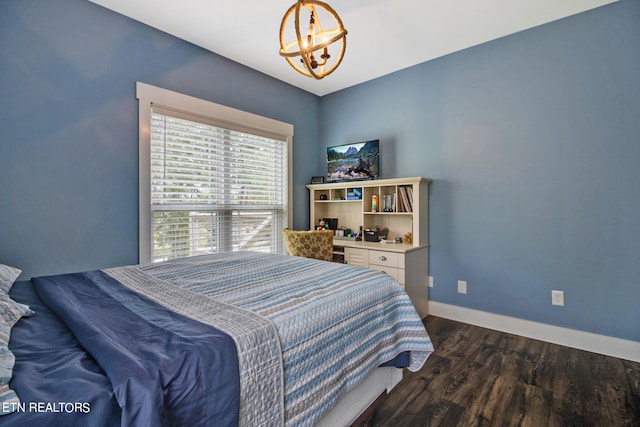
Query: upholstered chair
{"x": 309, "y": 244}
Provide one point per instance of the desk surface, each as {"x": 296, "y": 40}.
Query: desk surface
{"x": 390, "y": 247}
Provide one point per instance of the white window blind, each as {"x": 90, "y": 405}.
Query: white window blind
{"x": 213, "y": 186}
{"x": 215, "y": 189}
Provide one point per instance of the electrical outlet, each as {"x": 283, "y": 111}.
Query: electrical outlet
{"x": 430, "y": 281}
{"x": 462, "y": 287}
{"x": 557, "y": 298}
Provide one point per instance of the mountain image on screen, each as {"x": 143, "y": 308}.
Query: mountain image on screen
{"x": 352, "y": 162}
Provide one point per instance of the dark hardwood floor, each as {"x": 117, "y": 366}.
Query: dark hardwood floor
{"x": 481, "y": 377}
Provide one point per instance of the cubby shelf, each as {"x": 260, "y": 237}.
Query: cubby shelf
{"x": 408, "y": 206}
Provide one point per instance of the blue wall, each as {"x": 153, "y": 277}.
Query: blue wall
{"x": 533, "y": 142}
{"x": 69, "y": 128}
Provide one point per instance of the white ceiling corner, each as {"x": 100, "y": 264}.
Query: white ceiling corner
{"x": 383, "y": 35}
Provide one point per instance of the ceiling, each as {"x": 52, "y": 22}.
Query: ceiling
{"x": 383, "y": 35}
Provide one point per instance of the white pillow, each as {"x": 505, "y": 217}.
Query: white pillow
{"x": 8, "y": 275}
{"x": 10, "y": 312}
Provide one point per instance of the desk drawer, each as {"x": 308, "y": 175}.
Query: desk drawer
{"x": 355, "y": 256}
{"x": 390, "y": 259}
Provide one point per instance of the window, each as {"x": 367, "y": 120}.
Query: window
{"x": 212, "y": 179}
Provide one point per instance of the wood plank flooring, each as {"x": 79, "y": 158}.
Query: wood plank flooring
{"x": 481, "y": 377}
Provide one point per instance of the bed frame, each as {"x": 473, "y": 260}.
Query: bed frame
{"x": 355, "y": 403}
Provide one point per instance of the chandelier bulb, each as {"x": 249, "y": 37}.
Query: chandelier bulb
{"x": 312, "y": 21}
{"x": 325, "y": 52}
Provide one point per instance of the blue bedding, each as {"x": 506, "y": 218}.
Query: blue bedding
{"x": 51, "y": 367}
{"x": 164, "y": 369}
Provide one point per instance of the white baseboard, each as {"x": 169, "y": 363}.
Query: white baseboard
{"x": 602, "y": 344}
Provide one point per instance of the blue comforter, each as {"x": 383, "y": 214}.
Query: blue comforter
{"x": 50, "y": 367}
{"x": 164, "y": 369}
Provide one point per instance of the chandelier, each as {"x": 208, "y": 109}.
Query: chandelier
{"x": 312, "y": 47}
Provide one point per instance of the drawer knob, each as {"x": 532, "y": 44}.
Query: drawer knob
{"x": 382, "y": 258}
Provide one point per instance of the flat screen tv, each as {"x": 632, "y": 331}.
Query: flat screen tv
{"x": 353, "y": 162}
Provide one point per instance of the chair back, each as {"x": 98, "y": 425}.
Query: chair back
{"x": 309, "y": 244}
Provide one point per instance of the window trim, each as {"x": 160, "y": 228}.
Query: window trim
{"x": 151, "y": 96}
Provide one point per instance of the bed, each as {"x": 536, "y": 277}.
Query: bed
{"x": 238, "y": 338}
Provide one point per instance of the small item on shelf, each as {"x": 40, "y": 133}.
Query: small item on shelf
{"x": 375, "y": 234}
{"x": 408, "y": 238}
{"x": 374, "y": 203}
{"x": 354, "y": 193}
{"x": 331, "y": 223}
{"x": 344, "y": 233}
{"x": 388, "y": 203}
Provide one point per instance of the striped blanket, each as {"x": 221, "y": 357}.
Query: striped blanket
{"x": 334, "y": 323}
